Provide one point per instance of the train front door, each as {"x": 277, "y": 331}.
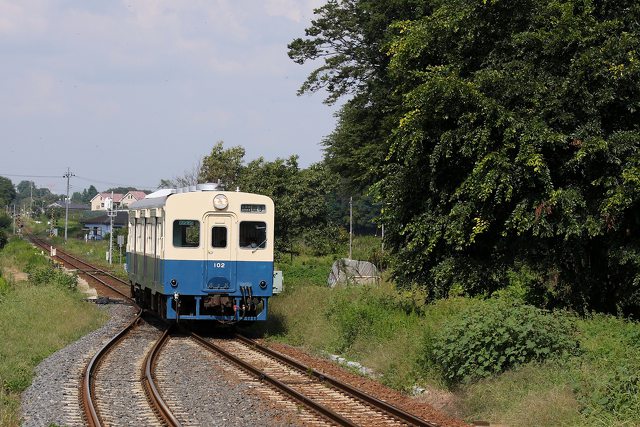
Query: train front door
{"x": 220, "y": 264}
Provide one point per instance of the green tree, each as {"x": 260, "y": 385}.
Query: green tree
{"x": 348, "y": 37}
{"x": 89, "y": 193}
{"x": 120, "y": 190}
{"x": 222, "y": 164}
{"x": 502, "y": 138}
{"x": 76, "y": 197}
{"x": 518, "y": 150}
{"x": 300, "y": 196}
{"x": 7, "y": 191}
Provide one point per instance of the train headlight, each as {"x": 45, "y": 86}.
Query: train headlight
{"x": 220, "y": 201}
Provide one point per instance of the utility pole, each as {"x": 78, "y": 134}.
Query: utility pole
{"x": 14, "y": 218}
{"x": 66, "y": 213}
{"x": 111, "y": 212}
{"x": 350, "y": 224}
{"x": 31, "y": 204}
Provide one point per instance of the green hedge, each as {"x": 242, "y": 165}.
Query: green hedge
{"x": 494, "y": 335}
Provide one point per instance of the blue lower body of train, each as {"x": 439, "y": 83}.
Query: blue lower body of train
{"x": 228, "y": 291}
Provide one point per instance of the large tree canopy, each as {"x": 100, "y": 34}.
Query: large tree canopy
{"x": 513, "y": 157}
{"x": 7, "y": 191}
{"x": 349, "y": 38}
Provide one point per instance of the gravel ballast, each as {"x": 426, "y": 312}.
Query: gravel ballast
{"x": 207, "y": 398}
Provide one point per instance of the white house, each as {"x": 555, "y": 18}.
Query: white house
{"x": 132, "y": 196}
{"x": 97, "y": 203}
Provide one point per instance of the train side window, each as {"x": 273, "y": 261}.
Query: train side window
{"x": 138, "y": 248}
{"x": 253, "y": 234}
{"x": 186, "y": 233}
{"x": 219, "y": 237}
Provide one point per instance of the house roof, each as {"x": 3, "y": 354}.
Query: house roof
{"x": 120, "y": 219}
{"x": 72, "y": 206}
{"x": 136, "y": 194}
{"x": 116, "y": 196}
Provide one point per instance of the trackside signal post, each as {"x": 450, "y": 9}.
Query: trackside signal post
{"x": 111, "y": 212}
{"x": 66, "y": 211}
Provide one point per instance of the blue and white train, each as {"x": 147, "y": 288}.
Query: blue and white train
{"x": 202, "y": 254}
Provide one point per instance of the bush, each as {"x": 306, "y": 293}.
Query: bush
{"x": 45, "y": 274}
{"x": 495, "y": 335}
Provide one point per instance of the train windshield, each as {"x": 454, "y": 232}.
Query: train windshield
{"x": 186, "y": 233}
{"x": 253, "y": 234}
{"x": 219, "y": 237}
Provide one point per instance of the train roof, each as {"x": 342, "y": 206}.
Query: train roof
{"x": 158, "y": 199}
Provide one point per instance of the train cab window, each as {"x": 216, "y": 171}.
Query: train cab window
{"x": 186, "y": 233}
{"x": 253, "y": 234}
{"x": 219, "y": 237}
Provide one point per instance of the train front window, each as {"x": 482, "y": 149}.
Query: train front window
{"x": 186, "y": 233}
{"x": 219, "y": 237}
{"x": 253, "y": 235}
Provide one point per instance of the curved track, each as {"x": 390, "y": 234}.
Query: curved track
{"x": 334, "y": 401}
{"x": 134, "y": 352}
{"x": 116, "y": 362}
{"x": 109, "y": 284}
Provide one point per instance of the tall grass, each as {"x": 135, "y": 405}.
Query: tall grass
{"x": 36, "y": 320}
{"x": 393, "y": 330}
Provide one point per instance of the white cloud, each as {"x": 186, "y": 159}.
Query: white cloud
{"x": 295, "y": 10}
{"x": 33, "y": 94}
{"x": 23, "y": 17}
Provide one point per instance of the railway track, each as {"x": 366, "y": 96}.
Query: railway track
{"x": 119, "y": 360}
{"x": 334, "y": 401}
{"x": 127, "y": 363}
{"x": 107, "y": 284}
{"x": 131, "y": 354}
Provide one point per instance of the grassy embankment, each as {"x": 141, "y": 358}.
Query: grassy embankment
{"x": 400, "y": 337}
{"x": 596, "y": 382}
{"x": 39, "y": 314}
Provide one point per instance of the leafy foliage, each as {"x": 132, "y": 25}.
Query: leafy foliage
{"x": 495, "y": 336}
{"x": 501, "y": 137}
{"x": 7, "y": 191}
{"x": 300, "y": 196}
{"x": 222, "y": 164}
{"x": 46, "y": 274}
{"x": 511, "y": 128}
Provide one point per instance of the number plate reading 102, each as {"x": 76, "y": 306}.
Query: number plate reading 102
{"x": 218, "y": 265}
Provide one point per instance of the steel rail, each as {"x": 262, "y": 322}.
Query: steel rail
{"x": 87, "y": 386}
{"x": 148, "y": 380}
{"x": 353, "y": 392}
{"x": 93, "y": 267}
{"x": 87, "y": 383}
{"x": 43, "y": 245}
{"x": 314, "y": 406}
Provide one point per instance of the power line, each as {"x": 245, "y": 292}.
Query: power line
{"x": 97, "y": 181}
{"x": 31, "y": 176}
{"x": 118, "y": 184}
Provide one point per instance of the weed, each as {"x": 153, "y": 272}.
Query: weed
{"x": 495, "y": 336}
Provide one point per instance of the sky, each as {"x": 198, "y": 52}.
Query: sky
{"x": 125, "y": 93}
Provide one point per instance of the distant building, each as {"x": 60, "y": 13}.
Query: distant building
{"x": 78, "y": 207}
{"x": 97, "y": 203}
{"x": 97, "y": 227}
{"x": 130, "y": 197}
